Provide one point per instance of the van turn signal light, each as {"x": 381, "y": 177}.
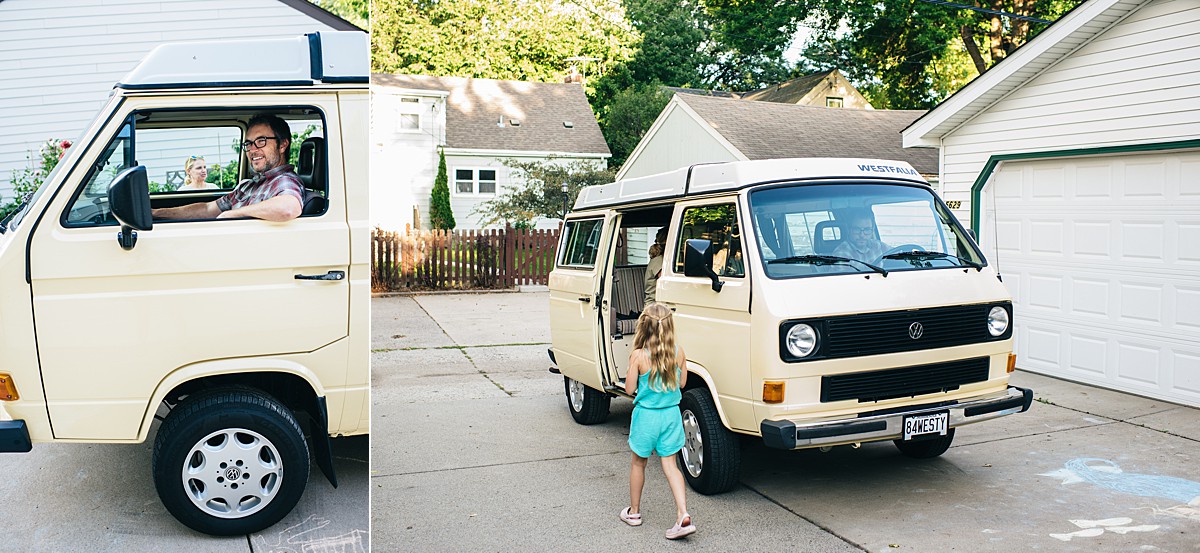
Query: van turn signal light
{"x": 772, "y": 391}
{"x": 8, "y": 389}
{"x": 1012, "y": 362}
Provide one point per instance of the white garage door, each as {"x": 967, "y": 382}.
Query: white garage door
{"x": 1102, "y": 256}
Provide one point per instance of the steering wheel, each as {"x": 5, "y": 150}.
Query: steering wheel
{"x": 897, "y": 249}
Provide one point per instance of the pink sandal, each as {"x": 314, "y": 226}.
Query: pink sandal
{"x": 682, "y": 528}
{"x": 634, "y": 519}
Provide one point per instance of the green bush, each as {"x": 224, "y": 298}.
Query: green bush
{"x": 441, "y": 216}
{"x": 26, "y": 181}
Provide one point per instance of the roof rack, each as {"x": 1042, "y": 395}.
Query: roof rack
{"x": 306, "y": 60}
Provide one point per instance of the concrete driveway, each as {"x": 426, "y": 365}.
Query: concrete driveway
{"x": 474, "y": 450}
{"x": 99, "y": 498}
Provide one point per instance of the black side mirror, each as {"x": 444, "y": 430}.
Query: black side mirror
{"x": 129, "y": 199}
{"x": 698, "y": 260}
{"x": 971, "y": 233}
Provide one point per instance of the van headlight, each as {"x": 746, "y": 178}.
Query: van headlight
{"x": 997, "y": 321}
{"x": 800, "y": 340}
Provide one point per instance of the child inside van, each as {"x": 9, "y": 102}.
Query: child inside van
{"x": 656, "y": 425}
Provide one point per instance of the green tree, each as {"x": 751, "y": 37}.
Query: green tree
{"x": 540, "y": 192}
{"x": 354, "y": 11}
{"x": 749, "y": 38}
{"x": 528, "y": 40}
{"x": 441, "y": 216}
{"x": 909, "y": 54}
{"x": 629, "y": 115}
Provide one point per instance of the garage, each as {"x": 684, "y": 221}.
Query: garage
{"x": 1076, "y": 160}
{"x": 1102, "y": 256}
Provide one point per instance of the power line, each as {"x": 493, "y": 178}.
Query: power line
{"x": 989, "y": 11}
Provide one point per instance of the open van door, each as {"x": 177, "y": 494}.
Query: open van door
{"x": 575, "y": 307}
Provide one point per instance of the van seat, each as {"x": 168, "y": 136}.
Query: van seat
{"x": 828, "y": 237}
{"x": 629, "y": 295}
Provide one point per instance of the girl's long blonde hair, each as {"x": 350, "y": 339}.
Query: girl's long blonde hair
{"x": 656, "y": 335}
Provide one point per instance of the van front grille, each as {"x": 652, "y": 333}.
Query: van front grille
{"x": 889, "y": 332}
{"x": 904, "y": 381}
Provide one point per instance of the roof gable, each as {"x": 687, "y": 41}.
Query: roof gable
{"x": 488, "y": 114}
{"x": 768, "y": 130}
{"x": 1069, "y": 33}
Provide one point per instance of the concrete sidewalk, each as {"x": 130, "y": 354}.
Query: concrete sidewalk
{"x": 475, "y": 449}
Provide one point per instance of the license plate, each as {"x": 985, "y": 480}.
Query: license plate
{"x": 920, "y": 425}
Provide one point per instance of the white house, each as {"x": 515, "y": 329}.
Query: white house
{"x": 698, "y": 128}
{"x": 481, "y": 125}
{"x": 61, "y": 58}
{"x": 1077, "y": 159}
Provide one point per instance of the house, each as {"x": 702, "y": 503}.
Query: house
{"x": 698, "y": 129}
{"x": 829, "y": 89}
{"x": 1077, "y": 160}
{"x": 60, "y": 59}
{"x": 481, "y": 125}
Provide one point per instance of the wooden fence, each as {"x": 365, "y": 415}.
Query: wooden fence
{"x": 461, "y": 259}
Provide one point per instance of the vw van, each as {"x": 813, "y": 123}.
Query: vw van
{"x": 793, "y": 334}
{"x": 241, "y": 335}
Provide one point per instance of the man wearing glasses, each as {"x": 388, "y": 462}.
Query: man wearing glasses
{"x": 859, "y": 241}
{"x": 273, "y": 194}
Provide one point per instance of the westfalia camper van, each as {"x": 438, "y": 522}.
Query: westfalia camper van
{"x": 241, "y": 334}
{"x": 820, "y": 302}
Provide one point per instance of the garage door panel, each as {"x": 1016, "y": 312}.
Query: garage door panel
{"x": 1102, "y": 256}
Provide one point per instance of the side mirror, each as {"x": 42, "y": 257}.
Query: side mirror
{"x": 129, "y": 199}
{"x": 698, "y": 260}
{"x": 971, "y": 233}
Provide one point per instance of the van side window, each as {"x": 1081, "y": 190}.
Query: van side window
{"x": 581, "y": 241}
{"x": 194, "y": 156}
{"x": 718, "y": 224}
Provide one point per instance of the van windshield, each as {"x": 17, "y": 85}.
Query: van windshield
{"x": 837, "y": 228}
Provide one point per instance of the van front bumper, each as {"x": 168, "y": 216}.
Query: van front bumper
{"x": 14, "y": 437}
{"x": 888, "y": 424}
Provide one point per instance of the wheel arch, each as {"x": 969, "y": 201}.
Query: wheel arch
{"x": 699, "y": 377}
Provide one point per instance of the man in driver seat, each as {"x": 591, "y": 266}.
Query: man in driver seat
{"x": 274, "y": 193}
{"x": 858, "y": 241}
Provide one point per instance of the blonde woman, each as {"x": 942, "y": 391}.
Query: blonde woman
{"x": 656, "y": 425}
{"x": 196, "y": 171}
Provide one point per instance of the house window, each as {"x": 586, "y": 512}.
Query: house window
{"x": 408, "y": 122}
{"x": 475, "y": 181}
{"x": 833, "y": 102}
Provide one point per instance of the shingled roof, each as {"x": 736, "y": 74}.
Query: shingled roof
{"x": 787, "y": 92}
{"x": 534, "y": 115}
{"x": 768, "y": 130}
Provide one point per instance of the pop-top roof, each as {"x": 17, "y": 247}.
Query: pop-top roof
{"x": 718, "y": 177}
{"x": 321, "y": 57}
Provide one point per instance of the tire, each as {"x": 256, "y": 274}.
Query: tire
{"x": 926, "y": 449}
{"x": 587, "y": 406}
{"x": 213, "y": 438}
{"x": 711, "y": 456}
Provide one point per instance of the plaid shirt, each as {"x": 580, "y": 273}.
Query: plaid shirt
{"x": 264, "y": 186}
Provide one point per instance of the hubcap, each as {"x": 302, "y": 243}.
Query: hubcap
{"x": 575, "y": 390}
{"x": 232, "y": 473}
{"x": 693, "y": 446}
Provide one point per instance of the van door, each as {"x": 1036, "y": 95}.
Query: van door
{"x": 111, "y": 324}
{"x": 712, "y": 327}
{"x": 575, "y": 301}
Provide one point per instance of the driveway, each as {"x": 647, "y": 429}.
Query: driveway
{"x": 99, "y": 498}
{"x": 475, "y": 450}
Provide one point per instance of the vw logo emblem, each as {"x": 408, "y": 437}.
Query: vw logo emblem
{"x": 915, "y": 330}
{"x": 232, "y": 473}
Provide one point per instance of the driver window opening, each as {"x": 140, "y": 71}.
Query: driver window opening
{"x": 196, "y": 156}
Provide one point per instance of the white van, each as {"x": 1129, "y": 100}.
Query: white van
{"x": 820, "y": 302}
{"x": 241, "y": 335}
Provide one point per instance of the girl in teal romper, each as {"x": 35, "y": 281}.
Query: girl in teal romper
{"x": 656, "y": 426}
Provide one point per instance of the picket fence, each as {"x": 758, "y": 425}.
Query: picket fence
{"x": 460, "y": 259}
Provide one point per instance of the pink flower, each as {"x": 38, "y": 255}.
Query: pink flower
{"x": 65, "y": 144}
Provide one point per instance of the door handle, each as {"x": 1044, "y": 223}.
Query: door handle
{"x": 585, "y": 299}
{"x": 331, "y": 275}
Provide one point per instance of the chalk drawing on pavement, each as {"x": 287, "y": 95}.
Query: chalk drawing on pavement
{"x": 1093, "y": 528}
{"x": 306, "y": 537}
{"x": 1107, "y": 474}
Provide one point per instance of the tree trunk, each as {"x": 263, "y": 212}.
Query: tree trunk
{"x": 968, "y": 38}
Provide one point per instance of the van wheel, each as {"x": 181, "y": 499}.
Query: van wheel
{"x": 587, "y": 406}
{"x": 711, "y": 456}
{"x": 230, "y": 462}
{"x": 926, "y": 449}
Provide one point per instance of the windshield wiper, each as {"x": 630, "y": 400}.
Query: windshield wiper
{"x": 825, "y": 260}
{"x": 914, "y": 254}
{"x": 13, "y": 213}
